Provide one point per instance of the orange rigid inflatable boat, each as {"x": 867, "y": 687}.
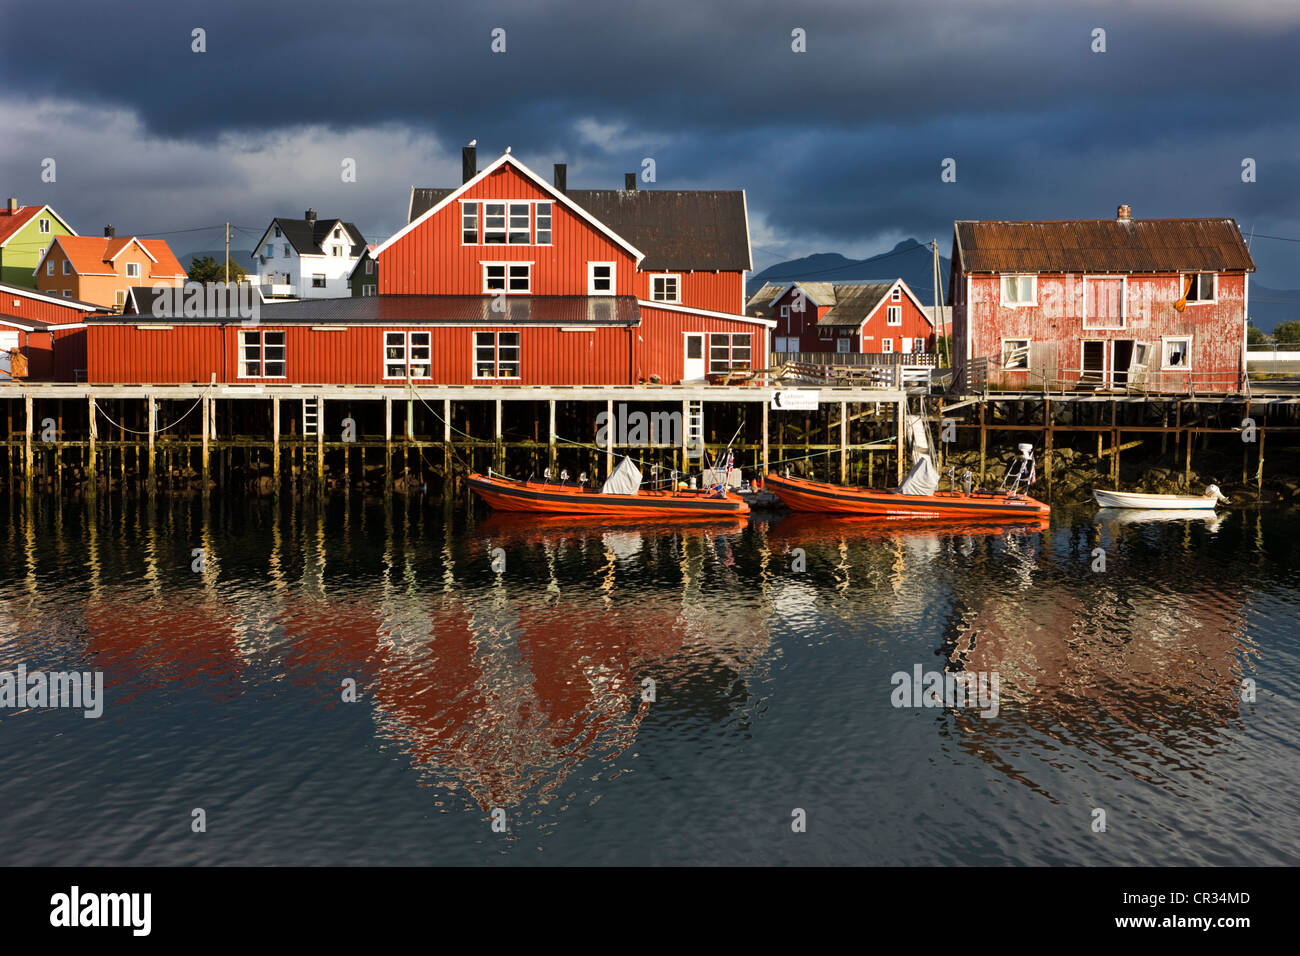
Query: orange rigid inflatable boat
{"x": 801, "y": 494}
{"x": 551, "y": 498}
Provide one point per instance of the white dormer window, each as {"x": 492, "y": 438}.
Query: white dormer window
{"x": 785, "y": 312}
{"x": 600, "y": 278}
{"x": 1019, "y": 290}
{"x": 896, "y": 295}
{"x": 45, "y": 225}
{"x": 336, "y": 250}
{"x": 133, "y": 270}
{"x": 277, "y": 232}
{"x": 895, "y": 315}
{"x": 337, "y": 232}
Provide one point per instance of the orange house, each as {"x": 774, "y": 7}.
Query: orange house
{"x": 99, "y": 269}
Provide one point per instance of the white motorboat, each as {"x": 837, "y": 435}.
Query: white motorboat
{"x": 1135, "y": 516}
{"x": 1133, "y": 499}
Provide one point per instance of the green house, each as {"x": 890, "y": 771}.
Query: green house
{"x": 25, "y": 233}
{"x": 364, "y": 279}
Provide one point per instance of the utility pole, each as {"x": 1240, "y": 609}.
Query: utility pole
{"x": 227, "y": 255}
{"x": 938, "y": 303}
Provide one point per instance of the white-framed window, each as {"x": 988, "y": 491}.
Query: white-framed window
{"x": 318, "y": 280}
{"x": 1015, "y": 353}
{"x": 261, "y": 353}
{"x": 469, "y": 224}
{"x": 277, "y": 232}
{"x": 133, "y": 270}
{"x": 338, "y": 232}
{"x": 496, "y": 354}
{"x": 1104, "y": 302}
{"x": 825, "y": 335}
{"x": 785, "y": 312}
{"x": 544, "y": 212}
{"x": 494, "y": 223}
{"x": 408, "y": 354}
{"x": 896, "y": 295}
{"x": 783, "y": 344}
{"x": 665, "y": 288}
{"x": 49, "y": 267}
{"x": 600, "y": 278}
{"x": 843, "y": 345}
{"x": 269, "y": 251}
{"x": 886, "y": 346}
{"x": 67, "y": 293}
{"x": 336, "y": 250}
{"x": 520, "y": 224}
{"x": 1018, "y": 290}
{"x": 370, "y": 290}
{"x": 918, "y": 345}
{"x": 370, "y": 267}
{"x": 515, "y": 278}
{"x": 729, "y": 351}
{"x": 284, "y": 251}
{"x": 1201, "y": 287}
{"x": 45, "y": 226}
{"x": 67, "y": 267}
{"x": 894, "y": 315}
{"x": 1176, "y": 353}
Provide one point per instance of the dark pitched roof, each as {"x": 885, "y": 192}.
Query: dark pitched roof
{"x": 309, "y": 238}
{"x": 594, "y": 310}
{"x": 698, "y": 230}
{"x": 1102, "y": 245}
{"x": 853, "y": 303}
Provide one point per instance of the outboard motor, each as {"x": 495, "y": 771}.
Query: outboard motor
{"x": 1020, "y": 472}
{"x": 1213, "y": 492}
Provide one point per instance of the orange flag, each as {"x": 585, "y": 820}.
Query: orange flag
{"x": 1181, "y": 304}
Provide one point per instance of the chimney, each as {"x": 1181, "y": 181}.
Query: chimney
{"x": 1124, "y": 213}
{"x": 13, "y": 205}
{"x": 311, "y": 216}
{"x": 629, "y": 182}
{"x": 109, "y": 232}
{"x": 468, "y": 163}
{"x": 561, "y": 177}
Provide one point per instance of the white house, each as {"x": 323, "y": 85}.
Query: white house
{"x": 307, "y": 258}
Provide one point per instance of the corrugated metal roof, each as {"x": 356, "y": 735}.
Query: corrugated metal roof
{"x": 417, "y": 309}
{"x": 760, "y": 303}
{"x": 1103, "y": 245}
{"x": 853, "y": 303}
{"x": 678, "y": 229}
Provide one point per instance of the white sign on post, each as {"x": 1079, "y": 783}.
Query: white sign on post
{"x": 796, "y": 399}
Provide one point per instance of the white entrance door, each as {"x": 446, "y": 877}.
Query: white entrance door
{"x": 8, "y": 340}
{"x": 693, "y": 369}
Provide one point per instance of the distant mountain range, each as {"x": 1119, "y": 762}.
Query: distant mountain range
{"x": 909, "y": 260}
{"x": 912, "y": 261}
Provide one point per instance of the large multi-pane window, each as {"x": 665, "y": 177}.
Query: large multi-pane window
{"x": 261, "y": 354}
{"x": 496, "y": 354}
{"x": 408, "y": 354}
{"x": 728, "y": 351}
{"x": 516, "y": 223}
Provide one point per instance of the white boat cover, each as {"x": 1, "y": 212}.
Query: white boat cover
{"x": 625, "y": 480}
{"x": 918, "y": 435}
{"x": 923, "y": 479}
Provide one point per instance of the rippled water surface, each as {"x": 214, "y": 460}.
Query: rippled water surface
{"x": 521, "y": 690}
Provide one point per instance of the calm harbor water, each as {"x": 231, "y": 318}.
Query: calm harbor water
{"x": 1120, "y": 690}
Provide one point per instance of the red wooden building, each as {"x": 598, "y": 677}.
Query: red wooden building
{"x": 42, "y": 338}
{"x": 1154, "y": 304}
{"x": 878, "y": 317}
{"x": 503, "y": 280}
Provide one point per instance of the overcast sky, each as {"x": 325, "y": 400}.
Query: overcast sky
{"x": 839, "y": 148}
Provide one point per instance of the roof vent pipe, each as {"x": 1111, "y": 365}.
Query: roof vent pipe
{"x": 110, "y": 232}
{"x": 561, "y": 177}
{"x": 629, "y": 182}
{"x": 468, "y": 163}
{"x": 311, "y": 215}
{"x": 13, "y": 205}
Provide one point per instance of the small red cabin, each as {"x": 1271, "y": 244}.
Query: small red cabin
{"x": 876, "y": 317}
{"x": 42, "y": 338}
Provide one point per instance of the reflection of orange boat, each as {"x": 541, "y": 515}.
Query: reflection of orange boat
{"x": 815, "y": 526}
{"x": 515, "y": 525}
{"x": 802, "y": 494}
{"x": 538, "y": 497}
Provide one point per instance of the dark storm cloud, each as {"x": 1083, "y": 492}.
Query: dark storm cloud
{"x": 835, "y": 146}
